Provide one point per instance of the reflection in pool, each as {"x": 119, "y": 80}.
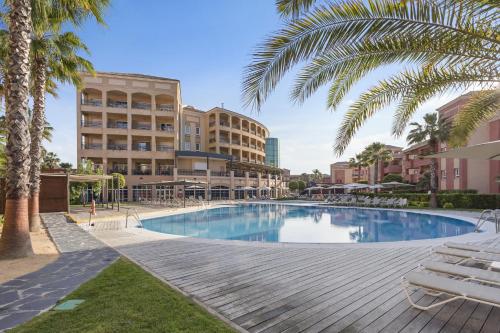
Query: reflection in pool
{"x": 302, "y": 224}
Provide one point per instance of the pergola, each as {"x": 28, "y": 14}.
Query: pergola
{"x": 182, "y": 183}
{"x": 91, "y": 179}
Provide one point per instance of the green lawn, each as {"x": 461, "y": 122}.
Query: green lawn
{"x": 124, "y": 298}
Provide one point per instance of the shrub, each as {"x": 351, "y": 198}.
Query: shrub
{"x": 423, "y": 204}
{"x": 392, "y": 177}
{"x": 448, "y": 205}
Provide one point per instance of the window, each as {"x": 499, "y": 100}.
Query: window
{"x": 187, "y": 145}
{"x": 443, "y": 174}
{"x": 198, "y": 148}
{"x": 197, "y": 131}
{"x": 187, "y": 129}
{"x": 456, "y": 172}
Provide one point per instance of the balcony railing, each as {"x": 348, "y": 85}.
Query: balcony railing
{"x": 245, "y": 144}
{"x": 165, "y": 107}
{"x": 165, "y": 170}
{"x": 118, "y": 124}
{"x": 92, "y": 102}
{"x": 141, "y": 126}
{"x": 244, "y": 159}
{"x": 142, "y": 171}
{"x": 141, "y": 146}
{"x": 189, "y": 172}
{"x": 236, "y": 126}
{"x": 253, "y": 132}
{"x": 91, "y": 123}
{"x": 253, "y": 175}
{"x": 141, "y": 105}
{"x": 211, "y": 124}
{"x": 253, "y": 146}
{"x": 168, "y": 128}
{"x": 117, "y": 104}
{"x": 94, "y": 146}
{"x": 239, "y": 173}
{"x": 166, "y": 148}
{"x": 224, "y": 140}
{"x": 224, "y": 124}
{"x": 117, "y": 146}
{"x": 212, "y": 140}
{"x": 235, "y": 158}
{"x": 235, "y": 142}
{"x": 122, "y": 170}
{"x": 245, "y": 129}
{"x": 219, "y": 173}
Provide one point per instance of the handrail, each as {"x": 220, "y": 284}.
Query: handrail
{"x": 135, "y": 215}
{"x": 487, "y": 215}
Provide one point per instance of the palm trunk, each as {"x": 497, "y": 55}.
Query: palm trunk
{"x": 433, "y": 184}
{"x": 36, "y": 133}
{"x": 15, "y": 241}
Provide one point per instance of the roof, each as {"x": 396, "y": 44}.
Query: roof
{"x": 175, "y": 183}
{"x": 483, "y": 151}
{"x": 88, "y": 178}
{"x": 416, "y": 146}
{"x": 139, "y": 76}
{"x": 238, "y": 114}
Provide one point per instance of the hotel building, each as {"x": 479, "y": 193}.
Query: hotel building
{"x": 457, "y": 174}
{"x": 273, "y": 152}
{"x": 136, "y": 125}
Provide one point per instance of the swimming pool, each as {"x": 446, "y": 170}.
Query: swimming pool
{"x": 308, "y": 224}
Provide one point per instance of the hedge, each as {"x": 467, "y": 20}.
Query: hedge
{"x": 458, "y": 200}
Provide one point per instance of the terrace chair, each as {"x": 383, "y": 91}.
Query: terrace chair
{"x": 376, "y": 202}
{"x": 463, "y": 272}
{"x": 469, "y": 247}
{"x": 437, "y": 285}
{"x": 465, "y": 255}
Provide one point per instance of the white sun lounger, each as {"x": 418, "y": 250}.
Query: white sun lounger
{"x": 467, "y": 255}
{"x": 466, "y": 273}
{"x": 469, "y": 247}
{"x": 456, "y": 289}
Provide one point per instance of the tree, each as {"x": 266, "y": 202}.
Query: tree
{"x": 66, "y": 166}
{"x": 86, "y": 167}
{"x": 424, "y": 183}
{"x": 293, "y": 185}
{"x": 433, "y": 131}
{"x": 359, "y": 161}
{"x": 50, "y": 160}
{"x": 119, "y": 180}
{"x": 375, "y": 154}
{"x": 441, "y": 45}
{"x": 301, "y": 185}
{"x": 392, "y": 177}
{"x": 15, "y": 241}
{"x": 54, "y": 58}
{"x": 317, "y": 176}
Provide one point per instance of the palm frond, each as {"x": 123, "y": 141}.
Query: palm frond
{"x": 482, "y": 106}
{"x": 293, "y": 8}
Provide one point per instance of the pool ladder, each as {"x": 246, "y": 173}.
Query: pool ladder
{"x": 489, "y": 215}
{"x": 135, "y": 215}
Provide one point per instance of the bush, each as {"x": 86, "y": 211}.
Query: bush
{"x": 448, "y": 205}
{"x": 392, "y": 177}
{"x": 422, "y": 204}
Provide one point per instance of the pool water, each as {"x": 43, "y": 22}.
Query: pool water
{"x": 305, "y": 224}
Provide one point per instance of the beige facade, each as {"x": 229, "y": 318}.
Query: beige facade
{"x": 135, "y": 125}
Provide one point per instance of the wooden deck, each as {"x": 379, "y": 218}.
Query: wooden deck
{"x": 307, "y": 288}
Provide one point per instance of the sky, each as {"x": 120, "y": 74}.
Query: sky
{"x": 206, "y": 45}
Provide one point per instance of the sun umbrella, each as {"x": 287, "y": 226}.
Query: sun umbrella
{"x": 376, "y": 186}
{"x": 355, "y": 186}
{"x": 334, "y": 187}
{"x": 396, "y": 184}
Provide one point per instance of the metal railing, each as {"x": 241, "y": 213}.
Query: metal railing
{"x": 141, "y": 105}
{"x": 141, "y": 147}
{"x": 140, "y": 126}
{"x": 92, "y": 102}
{"x": 91, "y": 123}
{"x": 94, "y": 146}
{"x": 117, "y": 146}
{"x": 165, "y": 171}
{"x": 219, "y": 173}
{"x": 142, "y": 171}
{"x": 114, "y": 124}
{"x": 488, "y": 215}
{"x": 189, "y": 172}
{"x": 165, "y": 107}
{"x": 161, "y": 147}
{"x": 123, "y": 171}
{"x": 117, "y": 104}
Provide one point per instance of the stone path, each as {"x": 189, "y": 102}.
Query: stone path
{"x": 82, "y": 258}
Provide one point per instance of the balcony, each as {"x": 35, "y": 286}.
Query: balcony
{"x": 190, "y": 172}
{"x": 236, "y": 126}
{"x": 117, "y": 146}
{"x": 253, "y": 175}
{"x": 165, "y": 107}
{"x": 141, "y": 146}
{"x": 141, "y": 105}
{"x": 245, "y": 144}
{"x": 224, "y": 124}
{"x": 219, "y": 173}
{"x": 119, "y": 169}
{"x": 212, "y": 140}
{"x": 166, "y": 128}
{"x": 117, "y": 104}
{"x": 143, "y": 170}
{"x": 164, "y": 148}
{"x": 91, "y": 123}
{"x": 253, "y": 146}
{"x": 236, "y": 142}
{"x": 239, "y": 173}
{"x": 211, "y": 124}
{"x": 245, "y": 129}
{"x": 253, "y": 132}
{"x": 92, "y": 102}
{"x": 93, "y": 146}
{"x": 141, "y": 126}
{"x": 235, "y": 158}
{"x": 165, "y": 170}
{"x": 118, "y": 124}
{"x": 224, "y": 140}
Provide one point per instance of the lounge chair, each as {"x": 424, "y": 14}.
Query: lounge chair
{"x": 456, "y": 289}
{"x": 469, "y": 247}
{"x": 465, "y": 255}
{"x": 464, "y": 272}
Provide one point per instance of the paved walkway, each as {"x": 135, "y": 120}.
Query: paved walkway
{"x": 82, "y": 257}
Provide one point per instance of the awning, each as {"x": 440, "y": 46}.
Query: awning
{"x": 175, "y": 183}
{"x": 483, "y": 151}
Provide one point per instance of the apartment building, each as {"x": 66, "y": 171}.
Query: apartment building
{"x": 457, "y": 174}
{"x": 273, "y": 152}
{"x": 136, "y": 125}
{"x": 343, "y": 173}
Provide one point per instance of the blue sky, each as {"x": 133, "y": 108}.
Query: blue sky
{"x": 206, "y": 44}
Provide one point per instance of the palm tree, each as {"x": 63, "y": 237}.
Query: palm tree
{"x": 317, "y": 176}
{"x": 359, "y": 162}
{"x": 376, "y": 153}
{"x": 433, "y": 131}
{"x": 15, "y": 241}
{"x": 50, "y": 160}
{"x": 445, "y": 45}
